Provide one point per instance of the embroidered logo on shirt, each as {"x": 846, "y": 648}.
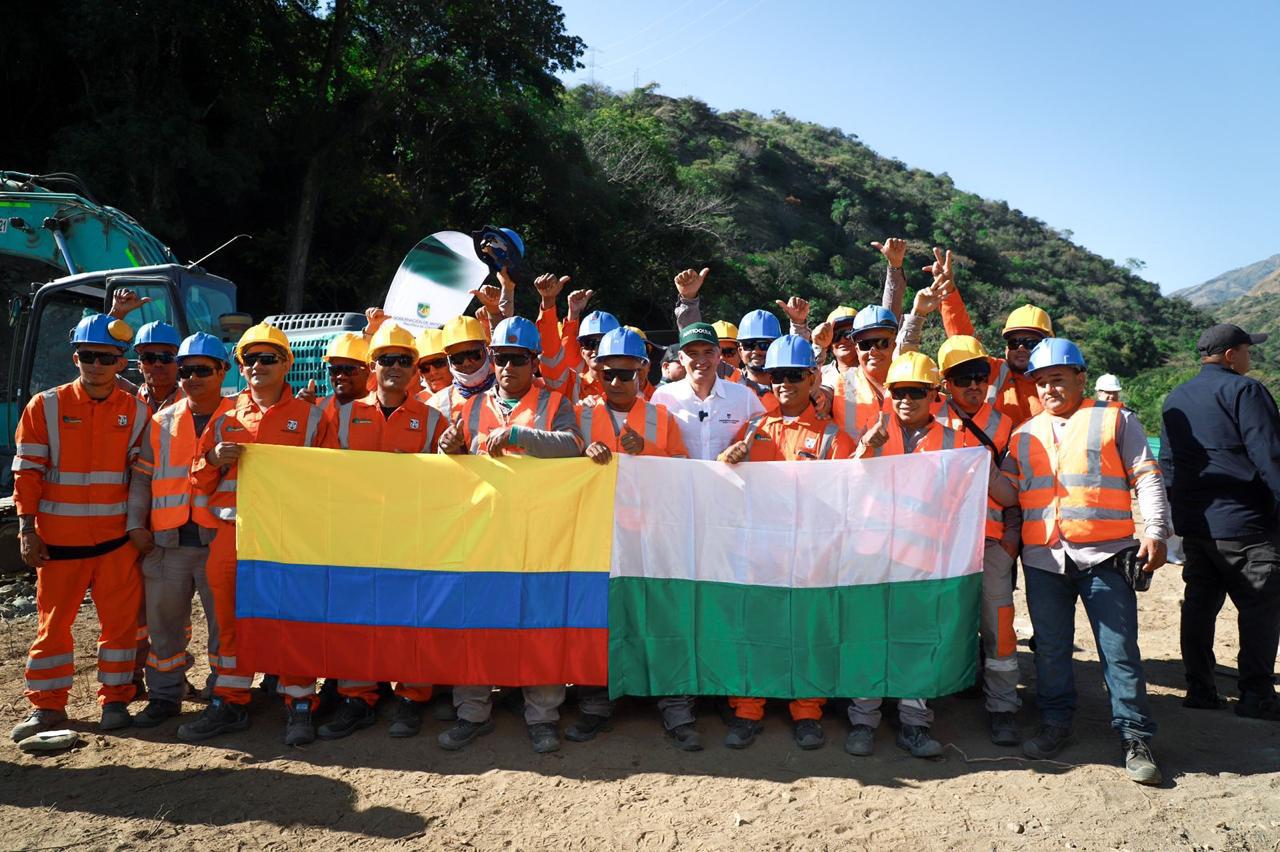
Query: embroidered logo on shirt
{"x": 291, "y": 426}
{"x": 67, "y": 419}
{"x": 760, "y": 436}
{"x": 414, "y": 424}
{"x": 810, "y": 443}
{"x": 232, "y": 427}
{"x": 360, "y": 421}
{"x": 122, "y": 420}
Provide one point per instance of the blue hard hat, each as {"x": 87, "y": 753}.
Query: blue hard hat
{"x": 874, "y": 316}
{"x": 157, "y": 332}
{"x": 518, "y": 332}
{"x": 205, "y": 345}
{"x": 759, "y": 325}
{"x": 598, "y": 322}
{"x": 516, "y": 242}
{"x": 792, "y": 351}
{"x": 1055, "y": 352}
{"x": 103, "y": 329}
{"x": 622, "y": 341}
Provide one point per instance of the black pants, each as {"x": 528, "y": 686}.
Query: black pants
{"x": 1247, "y": 570}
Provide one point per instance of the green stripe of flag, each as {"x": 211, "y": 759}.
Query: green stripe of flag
{"x": 687, "y": 637}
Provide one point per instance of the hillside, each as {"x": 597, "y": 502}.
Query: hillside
{"x": 1231, "y": 285}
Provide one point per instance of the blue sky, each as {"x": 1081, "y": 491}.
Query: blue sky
{"x": 1150, "y": 130}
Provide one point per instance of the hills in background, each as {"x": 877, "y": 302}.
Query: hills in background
{"x": 1234, "y": 283}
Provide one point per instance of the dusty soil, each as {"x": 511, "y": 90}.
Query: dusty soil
{"x": 629, "y": 789}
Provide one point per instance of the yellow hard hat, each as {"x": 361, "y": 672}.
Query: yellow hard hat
{"x": 348, "y": 344}
{"x": 1029, "y": 318}
{"x": 643, "y": 336}
{"x": 430, "y": 341}
{"x": 912, "y": 367}
{"x": 725, "y": 330}
{"x": 391, "y": 336}
{"x": 841, "y": 313}
{"x": 957, "y": 349}
{"x": 263, "y": 333}
{"x": 463, "y": 329}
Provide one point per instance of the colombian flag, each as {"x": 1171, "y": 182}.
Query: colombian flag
{"x": 425, "y": 569}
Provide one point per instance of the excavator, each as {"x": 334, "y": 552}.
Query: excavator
{"x": 63, "y": 253}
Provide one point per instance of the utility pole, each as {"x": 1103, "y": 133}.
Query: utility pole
{"x": 591, "y": 64}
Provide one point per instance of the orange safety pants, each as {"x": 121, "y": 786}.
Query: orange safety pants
{"x": 367, "y": 691}
{"x": 115, "y": 583}
{"x": 233, "y": 682}
{"x": 801, "y": 708}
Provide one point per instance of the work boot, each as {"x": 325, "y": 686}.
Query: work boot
{"x": 685, "y": 737}
{"x": 156, "y": 711}
{"x": 1203, "y": 699}
{"x": 808, "y": 734}
{"x": 38, "y": 720}
{"x": 299, "y": 727}
{"x": 1004, "y": 729}
{"x": 115, "y": 715}
{"x": 916, "y": 739}
{"x": 742, "y": 732}
{"x": 1048, "y": 741}
{"x": 1254, "y": 706}
{"x": 545, "y": 736}
{"x": 586, "y": 728}
{"x": 219, "y": 717}
{"x": 406, "y": 718}
{"x": 861, "y": 741}
{"x": 352, "y": 715}
{"x": 1140, "y": 763}
{"x": 462, "y": 733}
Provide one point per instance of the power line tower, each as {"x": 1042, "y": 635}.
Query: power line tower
{"x": 592, "y": 53}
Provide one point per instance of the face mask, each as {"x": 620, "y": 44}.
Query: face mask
{"x": 480, "y": 376}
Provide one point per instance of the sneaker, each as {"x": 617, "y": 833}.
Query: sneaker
{"x": 156, "y": 711}
{"x": 299, "y": 727}
{"x": 916, "y": 739}
{"x": 1140, "y": 763}
{"x": 808, "y": 734}
{"x": 586, "y": 728}
{"x": 115, "y": 715}
{"x": 1004, "y": 729}
{"x": 1253, "y": 706}
{"x": 545, "y": 736}
{"x": 685, "y": 737}
{"x": 462, "y": 733}
{"x": 1048, "y": 741}
{"x": 1203, "y": 699}
{"x": 219, "y": 717}
{"x": 352, "y": 715}
{"x": 406, "y": 718}
{"x": 39, "y": 719}
{"x": 742, "y": 733}
{"x": 861, "y": 741}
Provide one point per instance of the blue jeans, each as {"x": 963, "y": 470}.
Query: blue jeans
{"x": 1112, "y": 608}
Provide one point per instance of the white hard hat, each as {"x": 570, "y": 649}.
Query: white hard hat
{"x": 1107, "y": 382}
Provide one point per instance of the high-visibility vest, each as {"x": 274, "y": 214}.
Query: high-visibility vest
{"x": 939, "y": 437}
{"x": 572, "y": 386}
{"x": 482, "y": 414}
{"x": 413, "y": 427}
{"x": 1076, "y": 489}
{"x": 174, "y": 446}
{"x": 763, "y": 391}
{"x": 291, "y": 422}
{"x": 770, "y": 438}
{"x": 1012, "y": 394}
{"x": 71, "y": 468}
{"x": 448, "y": 402}
{"x": 652, "y": 422}
{"x": 153, "y": 404}
{"x": 996, "y": 426}
{"x": 857, "y": 403}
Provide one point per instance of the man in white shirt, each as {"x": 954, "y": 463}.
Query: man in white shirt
{"x": 709, "y": 409}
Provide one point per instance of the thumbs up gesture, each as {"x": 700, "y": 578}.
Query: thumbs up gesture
{"x": 689, "y": 282}
{"x": 451, "y": 439}
{"x": 630, "y": 440}
{"x": 877, "y": 434}
{"x": 309, "y": 393}
{"x": 735, "y": 453}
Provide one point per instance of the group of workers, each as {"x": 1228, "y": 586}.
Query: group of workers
{"x": 130, "y": 493}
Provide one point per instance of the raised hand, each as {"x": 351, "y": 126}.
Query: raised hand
{"x": 373, "y": 320}
{"x": 598, "y": 453}
{"x": 941, "y": 268}
{"x": 822, "y": 335}
{"x": 894, "y": 250}
{"x": 930, "y": 298}
{"x": 735, "y": 453}
{"x": 578, "y": 302}
{"x": 796, "y": 309}
{"x": 489, "y": 296}
{"x": 549, "y": 287}
{"x": 451, "y": 439}
{"x": 630, "y": 440}
{"x": 877, "y": 434}
{"x": 689, "y": 283}
{"x": 124, "y": 301}
{"x": 309, "y": 393}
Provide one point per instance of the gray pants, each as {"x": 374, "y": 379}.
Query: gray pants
{"x": 676, "y": 710}
{"x": 541, "y": 703}
{"x": 912, "y": 711}
{"x": 170, "y": 576}
{"x": 1000, "y": 671}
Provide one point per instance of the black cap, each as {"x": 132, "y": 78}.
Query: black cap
{"x": 671, "y": 353}
{"x": 1219, "y": 338}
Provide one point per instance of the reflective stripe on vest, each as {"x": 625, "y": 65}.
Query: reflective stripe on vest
{"x": 433, "y": 423}
{"x": 650, "y": 422}
{"x": 313, "y": 424}
{"x": 994, "y": 387}
{"x": 828, "y": 440}
{"x": 344, "y": 425}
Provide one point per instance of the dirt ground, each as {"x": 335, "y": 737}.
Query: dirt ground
{"x": 630, "y": 790}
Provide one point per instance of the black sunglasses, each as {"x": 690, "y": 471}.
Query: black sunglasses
{"x": 395, "y": 360}
{"x": 590, "y": 341}
{"x": 909, "y": 393}
{"x": 786, "y": 377}
{"x": 433, "y": 364}
{"x": 514, "y": 359}
{"x": 342, "y": 369}
{"x": 618, "y": 375}
{"x": 202, "y": 370}
{"x": 755, "y": 345}
{"x": 457, "y": 359}
{"x": 839, "y": 334}
{"x": 1027, "y": 343}
{"x": 156, "y": 357}
{"x": 252, "y": 358}
{"x": 729, "y": 352}
{"x": 92, "y": 356}
{"x": 964, "y": 380}
{"x": 869, "y": 343}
